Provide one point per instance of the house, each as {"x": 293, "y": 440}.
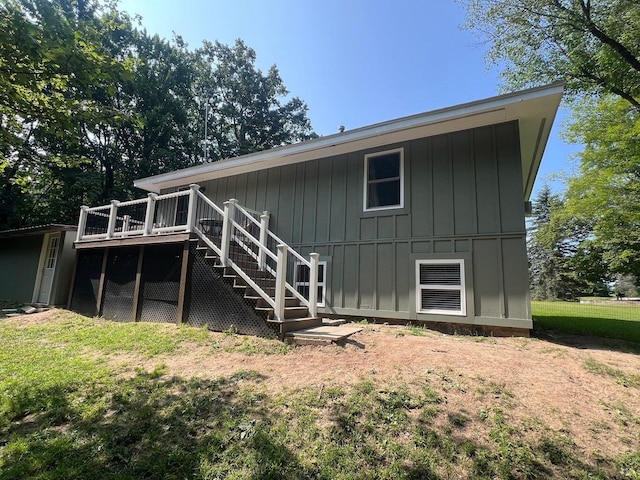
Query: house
{"x": 418, "y": 219}
{"x": 36, "y": 264}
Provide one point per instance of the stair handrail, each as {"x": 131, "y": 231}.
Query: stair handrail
{"x": 228, "y": 262}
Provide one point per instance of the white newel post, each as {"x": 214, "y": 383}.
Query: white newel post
{"x": 281, "y": 281}
{"x": 229, "y": 213}
{"x": 151, "y": 211}
{"x": 313, "y": 284}
{"x": 113, "y": 212}
{"x": 125, "y": 226}
{"x": 82, "y": 222}
{"x": 264, "y": 228}
{"x": 191, "y": 213}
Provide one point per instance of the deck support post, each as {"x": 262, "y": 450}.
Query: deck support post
{"x": 229, "y": 213}
{"x": 191, "y": 212}
{"x": 113, "y": 213}
{"x": 264, "y": 229}
{"x": 150, "y": 214}
{"x": 313, "y": 284}
{"x": 82, "y": 222}
{"x": 137, "y": 290}
{"x": 281, "y": 282}
{"x": 184, "y": 278}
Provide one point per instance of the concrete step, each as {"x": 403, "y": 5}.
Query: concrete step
{"x": 320, "y": 335}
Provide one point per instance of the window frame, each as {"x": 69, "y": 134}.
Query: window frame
{"x": 365, "y": 195}
{"x": 461, "y": 288}
{"x": 323, "y": 284}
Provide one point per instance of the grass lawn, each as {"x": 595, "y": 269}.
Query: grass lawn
{"x": 609, "y": 321}
{"x": 71, "y": 408}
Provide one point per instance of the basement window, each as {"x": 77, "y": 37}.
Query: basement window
{"x": 302, "y": 276}
{"x": 384, "y": 180}
{"x": 440, "y": 287}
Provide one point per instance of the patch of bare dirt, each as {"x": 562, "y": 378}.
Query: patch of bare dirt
{"x": 534, "y": 381}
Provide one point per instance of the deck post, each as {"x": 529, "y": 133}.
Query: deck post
{"x": 113, "y": 212}
{"x": 150, "y": 214}
{"x": 125, "y": 226}
{"x": 229, "y": 213}
{"x": 191, "y": 212}
{"x": 264, "y": 229}
{"x": 281, "y": 282}
{"x": 82, "y": 222}
{"x": 313, "y": 285}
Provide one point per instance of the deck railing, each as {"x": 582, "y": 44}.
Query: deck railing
{"x": 190, "y": 211}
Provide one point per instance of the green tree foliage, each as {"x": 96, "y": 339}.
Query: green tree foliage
{"x": 606, "y": 190}
{"x": 563, "y": 261}
{"x": 89, "y": 102}
{"x": 50, "y": 59}
{"x": 244, "y": 105}
{"x": 593, "y": 45}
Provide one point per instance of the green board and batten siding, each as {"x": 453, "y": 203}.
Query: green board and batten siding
{"x": 463, "y": 199}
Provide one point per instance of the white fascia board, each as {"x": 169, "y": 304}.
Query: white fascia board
{"x": 525, "y": 105}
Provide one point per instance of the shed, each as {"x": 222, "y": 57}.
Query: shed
{"x": 36, "y": 264}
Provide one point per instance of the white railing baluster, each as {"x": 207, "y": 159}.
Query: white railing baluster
{"x": 281, "y": 281}
{"x": 313, "y": 284}
{"x": 191, "y": 212}
{"x": 150, "y": 213}
{"x": 125, "y": 223}
{"x": 264, "y": 229}
{"x": 229, "y": 212}
{"x": 82, "y": 222}
{"x": 113, "y": 212}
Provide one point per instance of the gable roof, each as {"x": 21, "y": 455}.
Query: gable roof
{"x": 534, "y": 109}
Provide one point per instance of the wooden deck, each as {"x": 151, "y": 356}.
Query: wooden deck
{"x": 133, "y": 240}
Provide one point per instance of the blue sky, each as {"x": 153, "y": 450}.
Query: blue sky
{"x": 355, "y": 62}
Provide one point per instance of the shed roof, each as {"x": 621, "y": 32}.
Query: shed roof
{"x": 534, "y": 109}
{"x": 37, "y": 230}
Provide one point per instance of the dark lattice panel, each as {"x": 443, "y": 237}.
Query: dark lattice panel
{"x": 120, "y": 279}
{"x": 84, "y": 299}
{"x": 213, "y": 301}
{"x": 160, "y": 283}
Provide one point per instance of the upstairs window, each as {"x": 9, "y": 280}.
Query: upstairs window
{"x": 384, "y": 180}
{"x": 440, "y": 287}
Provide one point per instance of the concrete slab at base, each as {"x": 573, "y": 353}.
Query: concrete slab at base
{"x": 322, "y": 335}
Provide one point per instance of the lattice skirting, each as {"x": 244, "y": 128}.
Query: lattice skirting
{"x": 209, "y": 299}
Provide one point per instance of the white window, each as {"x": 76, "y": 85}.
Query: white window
{"x": 440, "y": 287}
{"x": 384, "y": 180}
{"x": 302, "y": 281}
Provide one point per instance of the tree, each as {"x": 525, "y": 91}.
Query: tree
{"x": 244, "y": 105}
{"x": 89, "y": 102}
{"x": 606, "y": 190}
{"x": 594, "y": 46}
{"x": 563, "y": 261}
{"x": 50, "y": 60}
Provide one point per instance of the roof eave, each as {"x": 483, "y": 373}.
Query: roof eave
{"x": 535, "y": 110}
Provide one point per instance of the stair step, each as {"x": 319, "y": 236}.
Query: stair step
{"x": 288, "y": 301}
{"x": 289, "y": 312}
{"x": 294, "y": 324}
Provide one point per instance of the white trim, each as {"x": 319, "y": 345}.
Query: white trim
{"x": 535, "y": 109}
{"x": 366, "y": 180}
{"x": 44, "y": 254}
{"x": 461, "y": 288}
{"x": 321, "y": 264}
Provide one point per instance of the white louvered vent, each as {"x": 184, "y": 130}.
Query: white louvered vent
{"x": 440, "y": 287}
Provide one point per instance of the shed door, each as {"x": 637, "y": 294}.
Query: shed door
{"x": 48, "y": 268}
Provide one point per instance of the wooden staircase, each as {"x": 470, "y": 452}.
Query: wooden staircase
{"x": 296, "y": 316}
